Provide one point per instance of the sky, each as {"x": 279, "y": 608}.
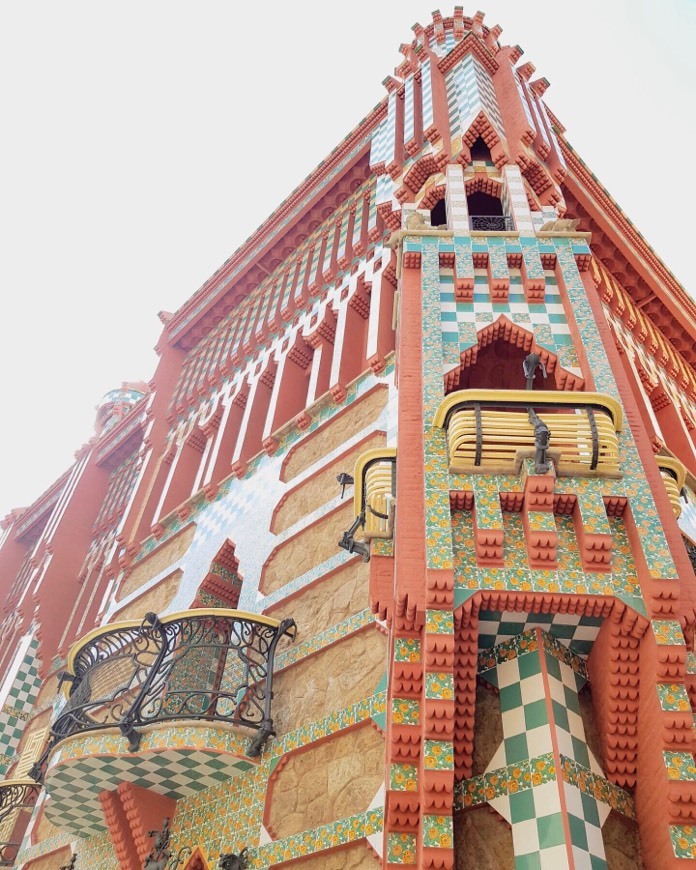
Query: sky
{"x": 143, "y": 142}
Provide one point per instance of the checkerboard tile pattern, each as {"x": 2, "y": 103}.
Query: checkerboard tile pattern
{"x": 538, "y": 680}
{"x": 18, "y": 704}
{"x": 576, "y": 631}
{"x": 74, "y": 785}
{"x": 547, "y": 320}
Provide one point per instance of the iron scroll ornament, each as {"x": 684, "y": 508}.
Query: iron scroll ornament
{"x": 211, "y": 665}
{"x": 15, "y": 795}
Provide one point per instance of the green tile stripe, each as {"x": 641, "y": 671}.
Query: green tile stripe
{"x": 596, "y": 786}
{"x": 554, "y": 647}
{"x": 320, "y": 414}
{"x": 320, "y": 641}
{"x": 437, "y": 509}
{"x": 319, "y": 839}
{"x": 520, "y": 645}
{"x": 652, "y": 537}
{"x": 44, "y": 847}
{"x": 511, "y": 779}
{"x": 363, "y": 710}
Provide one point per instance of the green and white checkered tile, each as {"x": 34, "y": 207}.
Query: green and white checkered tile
{"x": 19, "y": 703}
{"x": 535, "y": 811}
{"x": 74, "y": 786}
{"x": 575, "y": 631}
{"x": 585, "y": 819}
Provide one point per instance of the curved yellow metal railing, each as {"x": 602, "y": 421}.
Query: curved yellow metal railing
{"x": 486, "y": 433}
{"x": 373, "y": 494}
{"x": 674, "y": 476}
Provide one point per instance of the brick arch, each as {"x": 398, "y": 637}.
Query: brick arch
{"x": 432, "y": 195}
{"x": 503, "y": 329}
{"x": 418, "y": 174}
{"x": 482, "y": 127}
{"x": 483, "y": 184}
{"x": 622, "y": 629}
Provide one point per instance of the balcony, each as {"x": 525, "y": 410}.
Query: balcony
{"x": 173, "y": 704}
{"x": 493, "y": 431}
{"x": 16, "y": 796}
{"x": 491, "y": 223}
{"x": 374, "y": 499}
{"x": 674, "y": 477}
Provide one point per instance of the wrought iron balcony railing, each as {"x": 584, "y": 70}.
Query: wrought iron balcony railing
{"x": 492, "y": 223}
{"x": 210, "y": 664}
{"x": 491, "y": 431}
{"x": 15, "y": 795}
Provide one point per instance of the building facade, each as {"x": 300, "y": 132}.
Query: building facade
{"x": 390, "y": 563}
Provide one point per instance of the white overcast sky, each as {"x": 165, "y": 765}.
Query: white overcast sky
{"x": 142, "y": 142}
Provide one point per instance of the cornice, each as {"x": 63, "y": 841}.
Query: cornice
{"x": 243, "y": 257}
{"x": 42, "y": 504}
{"x": 121, "y": 432}
{"x": 470, "y": 44}
{"x": 666, "y": 287}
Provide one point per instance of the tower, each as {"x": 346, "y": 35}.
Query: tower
{"x": 390, "y": 563}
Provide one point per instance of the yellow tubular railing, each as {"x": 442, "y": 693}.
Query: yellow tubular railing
{"x": 374, "y": 491}
{"x": 674, "y": 476}
{"x": 487, "y": 433}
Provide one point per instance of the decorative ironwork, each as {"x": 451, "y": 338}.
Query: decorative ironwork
{"x": 492, "y": 223}
{"x": 161, "y": 856}
{"x": 212, "y": 664}
{"x": 230, "y": 861}
{"x": 15, "y": 795}
{"x": 8, "y": 854}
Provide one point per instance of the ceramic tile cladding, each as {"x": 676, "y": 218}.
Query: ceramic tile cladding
{"x": 522, "y": 643}
{"x": 634, "y": 484}
{"x": 342, "y": 629}
{"x": 673, "y": 697}
{"x": 438, "y": 755}
{"x": 439, "y": 622}
{"x": 667, "y": 632}
{"x": 405, "y": 711}
{"x": 407, "y": 649}
{"x": 432, "y": 335}
{"x": 683, "y": 840}
{"x": 403, "y": 777}
{"x": 437, "y": 832}
{"x": 680, "y": 766}
{"x": 242, "y": 505}
{"x": 575, "y": 631}
{"x": 546, "y": 319}
{"x": 439, "y": 685}
{"x": 318, "y": 840}
{"x": 516, "y": 575}
{"x": 596, "y": 786}
{"x": 401, "y": 848}
{"x": 511, "y": 779}
{"x": 222, "y": 818}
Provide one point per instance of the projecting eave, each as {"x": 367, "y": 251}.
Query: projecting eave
{"x": 235, "y": 279}
{"x": 664, "y": 299}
